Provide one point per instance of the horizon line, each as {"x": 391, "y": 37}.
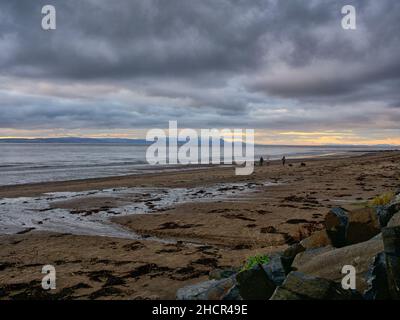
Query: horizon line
{"x": 143, "y": 139}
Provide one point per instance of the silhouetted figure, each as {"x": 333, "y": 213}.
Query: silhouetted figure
{"x": 283, "y": 160}
{"x": 261, "y": 161}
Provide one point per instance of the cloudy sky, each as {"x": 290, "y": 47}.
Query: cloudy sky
{"x": 285, "y": 68}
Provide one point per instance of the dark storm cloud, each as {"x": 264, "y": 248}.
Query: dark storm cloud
{"x": 263, "y": 63}
{"x": 134, "y": 38}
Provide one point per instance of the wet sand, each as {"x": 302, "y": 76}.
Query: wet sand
{"x": 219, "y": 232}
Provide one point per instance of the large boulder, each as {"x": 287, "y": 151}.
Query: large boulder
{"x": 289, "y": 255}
{"x": 363, "y": 225}
{"x": 328, "y": 262}
{"x": 395, "y": 220}
{"x": 255, "y": 284}
{"x": 309, "y": 255}
{"x": 383, "y": 214}
{"x": 317, "y": 240}
{"x": 350, "y": 227}
{"x": 377, "y": 279}
{"x": 275, "y": 269}
{"x": 233, "y": 294}
{"x": 394, "y": 205}
{"x": 386, "y": 212}
{"x": 218, "y": 274}
{"x": 300, "y": 286}
{"x": 391, "y": 240}
{"x": 259, "y": 282}
{"x": 336, "y": 222}
{"x": 210, "y": 290}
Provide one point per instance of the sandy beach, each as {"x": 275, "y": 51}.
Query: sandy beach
{"x": 183, "y": 224}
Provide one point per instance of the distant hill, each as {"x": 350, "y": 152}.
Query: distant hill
{"x": 77, "y": 140}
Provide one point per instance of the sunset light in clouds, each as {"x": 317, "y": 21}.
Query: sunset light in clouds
{"x": 286, "y": 69}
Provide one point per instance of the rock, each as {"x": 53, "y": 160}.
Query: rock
{"x": 395, "y": 220}
{"x": 282, "y": 293}
{"x": 394, "y": 205}
{"x": 299, "y": 286}
{"x": 195, "y": 292}
{"x": 255, "y": 284}
{"x": 377, "y": 279}
{"x": 233, "y": 294}
{"x": 336, "y": 222}
{"x": 289, "y": 255}
{"x": 261, "y": 281}
{"x": 350, "y": 227}
{"x": 391, "y": 240}
{"x": 393, "y": 272}
{"x": 363, "y": 225}
{"x": 317, "y": 240}
{"x": 275, "y": 269}
{"x": 308, "y": 256}
{"x": 219, "y": 274}
{"x": 208, "y": 290}
{"x": 328, "y": 262}
{"x": 385, "y": 213}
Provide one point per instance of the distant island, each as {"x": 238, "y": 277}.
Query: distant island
{"x": 76, "y": 140}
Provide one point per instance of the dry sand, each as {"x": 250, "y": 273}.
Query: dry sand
{"x": 225, "y": 232}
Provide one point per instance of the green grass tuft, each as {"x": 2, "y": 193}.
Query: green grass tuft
{"x": 255, "y": 260}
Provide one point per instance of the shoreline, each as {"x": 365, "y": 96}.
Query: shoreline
{"x": 120, "y": 181}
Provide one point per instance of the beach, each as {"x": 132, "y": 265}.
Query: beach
{"x": 143, "y": 236}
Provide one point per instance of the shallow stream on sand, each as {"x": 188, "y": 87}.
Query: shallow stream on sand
{"x": 49, "y": 212}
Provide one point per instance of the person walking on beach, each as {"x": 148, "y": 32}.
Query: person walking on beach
{"x": 283, "y": 160}
{"x": 261, "y": 161}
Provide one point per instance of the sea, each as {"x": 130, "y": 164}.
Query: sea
{"x": 22, "y": 163}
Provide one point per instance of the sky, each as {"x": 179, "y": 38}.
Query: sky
{"x": 284, "y": 68}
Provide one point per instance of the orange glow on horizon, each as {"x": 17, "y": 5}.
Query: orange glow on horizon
{"x": 312, "y": 138}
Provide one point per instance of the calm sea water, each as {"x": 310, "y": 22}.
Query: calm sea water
{"x": 25, "y": 163}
